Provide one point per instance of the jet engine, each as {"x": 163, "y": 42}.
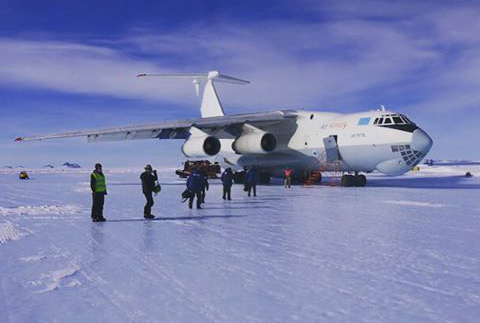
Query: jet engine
{"x": 255, "y": 143}
{"x": 201, "y": 146}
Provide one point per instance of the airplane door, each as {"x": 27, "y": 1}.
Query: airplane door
{"x": 331, "y": 148}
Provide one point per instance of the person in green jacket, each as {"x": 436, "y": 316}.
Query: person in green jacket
{"x": 99, "y": 190}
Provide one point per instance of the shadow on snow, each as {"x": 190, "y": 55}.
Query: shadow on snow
{"x": 184, "y": 218}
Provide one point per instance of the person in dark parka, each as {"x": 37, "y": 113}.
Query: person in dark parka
{"x": 205, "y": 186}
{"x": 227, "y": 181}
{"x": 252, "y": 180}
{"x": 99, "y": 190}
{"x": 196, "y": 185}
{"x": 148, "y": 178}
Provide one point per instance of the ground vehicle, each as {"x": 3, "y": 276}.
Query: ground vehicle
{"x": 212, "y": 170}
{"x": 23, "y": 175}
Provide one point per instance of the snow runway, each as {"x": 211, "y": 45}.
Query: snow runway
{"x": 403, "y": 249}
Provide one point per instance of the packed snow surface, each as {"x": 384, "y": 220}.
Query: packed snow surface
{"x": 42, "y": 209}
{"x": 402, "y": 249}
{"x": 9, "y": 232}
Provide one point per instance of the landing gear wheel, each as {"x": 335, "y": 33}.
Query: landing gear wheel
{"x": 360, "y": 180}
{"x": 314, "y": 177}
{"x": 348, "y": 180}
{"x": 298, "y": 180}
{"x": 264, "y": 178}
{"x": 239, "y": 177}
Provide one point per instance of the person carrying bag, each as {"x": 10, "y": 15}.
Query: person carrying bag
{"x": 149, "y": 186}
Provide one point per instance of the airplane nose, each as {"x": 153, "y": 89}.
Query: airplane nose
{"x": 421, "y": 141}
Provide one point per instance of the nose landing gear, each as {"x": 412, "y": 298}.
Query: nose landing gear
{"x": 358, "y": 180}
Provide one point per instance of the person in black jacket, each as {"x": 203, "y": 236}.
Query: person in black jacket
{"x": 148, "y": 178}
{"x": 204, "y": 173}
{"x": 252, "y": 180}
{"x": 227, "y": 181}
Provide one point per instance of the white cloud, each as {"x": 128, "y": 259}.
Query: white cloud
{"x": 78, "y": 68}
{"x": 361, "y": 55}
{"x": 290, "y": 64}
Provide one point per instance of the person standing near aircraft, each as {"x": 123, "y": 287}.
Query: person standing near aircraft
{"x": 195, "y": 184}
{"x": 252, "y": 180}
{"x": 227, "y": 181}
{"x": 288, "y": 177}
{"x": 203, "y": 171}
{"x": 99, "y": 190}
{"x": 148, "y": 177}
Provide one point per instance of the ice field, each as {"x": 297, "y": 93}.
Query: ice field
{"x": 403, "y": 249}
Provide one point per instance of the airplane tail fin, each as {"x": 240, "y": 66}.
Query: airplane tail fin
{"x": 211, "y": 105}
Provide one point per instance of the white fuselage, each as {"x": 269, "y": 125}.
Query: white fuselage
{"x": 361, "y": 146}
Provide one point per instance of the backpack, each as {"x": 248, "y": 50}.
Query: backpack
{"x": 186, "y": 195}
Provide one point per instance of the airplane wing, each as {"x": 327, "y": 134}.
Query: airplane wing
{"x": 172, "y": 129}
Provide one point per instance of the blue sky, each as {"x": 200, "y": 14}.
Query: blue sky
{"x": 68, "y": 65}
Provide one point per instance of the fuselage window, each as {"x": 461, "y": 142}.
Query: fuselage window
{"x": 380, "y": 121}
{"x": 363, "y": 121}
{"x": 311, "y": 117}
{"x": 376, "y": 121}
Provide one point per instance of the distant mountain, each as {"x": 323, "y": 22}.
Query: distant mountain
{"x": 48, "y": 166}
{"x": 69, "y": 165}
{"x": 20, "y": 167}
{"x": 8, "y": 167}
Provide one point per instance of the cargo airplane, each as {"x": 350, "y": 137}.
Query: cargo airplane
{"x": 306, "y": 141}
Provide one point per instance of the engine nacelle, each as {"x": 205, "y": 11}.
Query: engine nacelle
{"x": 201, "y": 146}
{"x": 255, "y": 143}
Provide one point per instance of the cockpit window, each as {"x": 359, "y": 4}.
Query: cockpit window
{"x": 392, "y": 119}
{"x": 398, "y": 120}
{"x": 408, "y": 121}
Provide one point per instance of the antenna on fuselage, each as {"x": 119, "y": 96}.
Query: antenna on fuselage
{"x": 210, "y": 106}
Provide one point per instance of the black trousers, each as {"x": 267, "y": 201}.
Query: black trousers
{"x": 147, "y": 210}
{"x": 254, "y": 187}
{"x": 199, "y": 199}
{"x": 98, "y": 200}
{"x": 227, "y": 192}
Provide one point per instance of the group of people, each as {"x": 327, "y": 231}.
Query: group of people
{"x": 197, "y": 185}
{"x": 98, "y": 186}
